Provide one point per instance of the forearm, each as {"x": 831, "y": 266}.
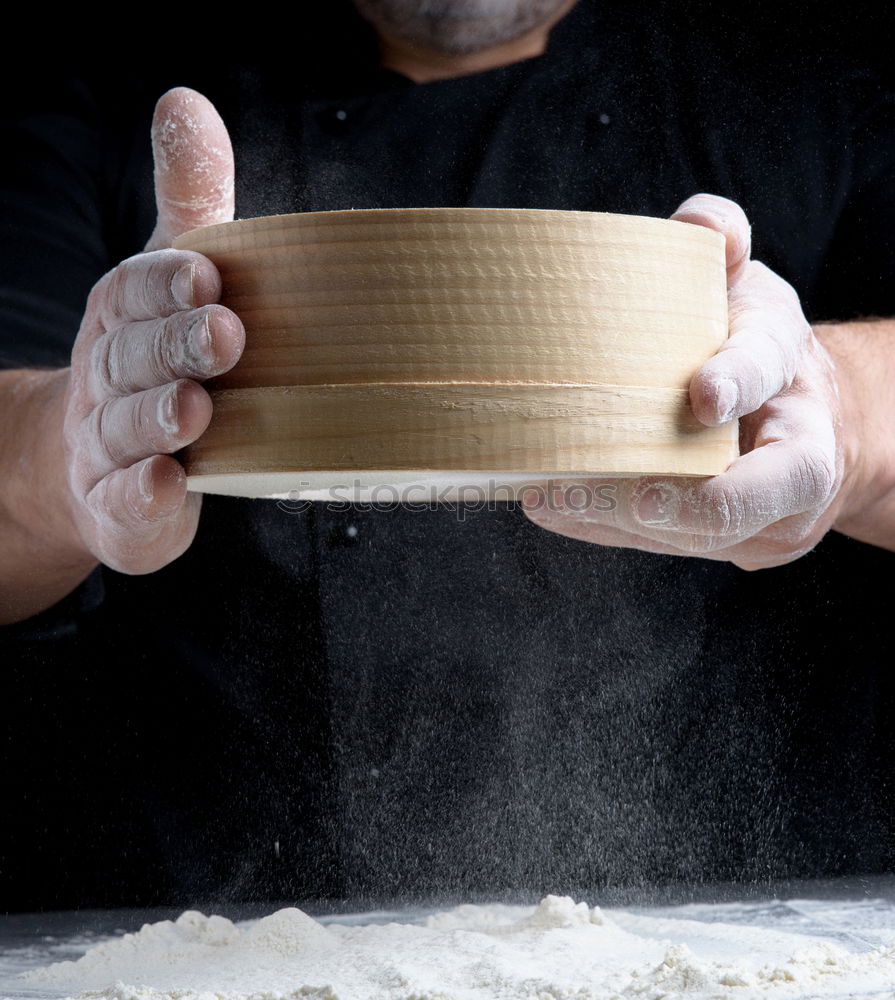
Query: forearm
{"x": 42, "y": 557}
{"x": 864, "y": 356}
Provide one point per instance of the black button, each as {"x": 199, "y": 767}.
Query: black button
{"x": 335, "y": 120}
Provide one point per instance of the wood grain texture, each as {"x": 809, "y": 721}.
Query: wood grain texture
{"x": 462, "y": 340}
{"x": 441, "y": 428}
{"x": 468, "y": 295}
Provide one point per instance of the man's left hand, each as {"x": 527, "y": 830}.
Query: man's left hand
{"x": 784, "y": 492}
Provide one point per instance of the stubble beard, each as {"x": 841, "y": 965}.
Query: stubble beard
{"x": 457, "y": 27}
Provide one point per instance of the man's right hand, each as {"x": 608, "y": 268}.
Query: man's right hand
{"x": 150, "y": 335}
{"x": 109, "y": 426}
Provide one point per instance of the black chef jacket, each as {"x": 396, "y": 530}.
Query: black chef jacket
{"x": 357, "y": 702}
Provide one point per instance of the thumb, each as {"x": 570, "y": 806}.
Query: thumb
{"x": 193, "y": 166}
{"x": 727, "y": 218}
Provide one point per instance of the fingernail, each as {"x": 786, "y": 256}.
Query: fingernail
{"x": 726, "y": 399}
{"x": 200, "y": 341}
{"x": 657, "y": 505}
{"x": 144, "y": 482}
{"x": 533, "y": 499}
{"x": 182, "y": 285}
{"x": 167, "y": 410}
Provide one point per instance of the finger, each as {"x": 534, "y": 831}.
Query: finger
{"x": 773, "y": 482}
{"x": 727, "y": 218}
{"x": 125, "y": 429}
{"x": 752, "y": 554}
{"x": 580, "y": 506}
{"x": 143, "y": 516}
{"x": 193, "y": 165}
{"x": 194, "y": 345}
{"x": 784, "y": 485}
{"x": 587, "y": 530}
{"x": 153, "y": 285}
{"x": 768, "y": 339}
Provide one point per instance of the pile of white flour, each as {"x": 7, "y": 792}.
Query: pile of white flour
{"x": 558, "y": 950}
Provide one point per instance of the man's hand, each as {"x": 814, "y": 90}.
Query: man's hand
{"x": 86, "y": 453}
{"x": 796, "y": 468}
{"x": 150, "y": 335}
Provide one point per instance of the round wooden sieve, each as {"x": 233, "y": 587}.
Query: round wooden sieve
{"x": 421, "y": 351}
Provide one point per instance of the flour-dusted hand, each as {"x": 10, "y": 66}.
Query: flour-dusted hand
{"x": 151, "y": 333}
{"x": 779, "y": 498}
